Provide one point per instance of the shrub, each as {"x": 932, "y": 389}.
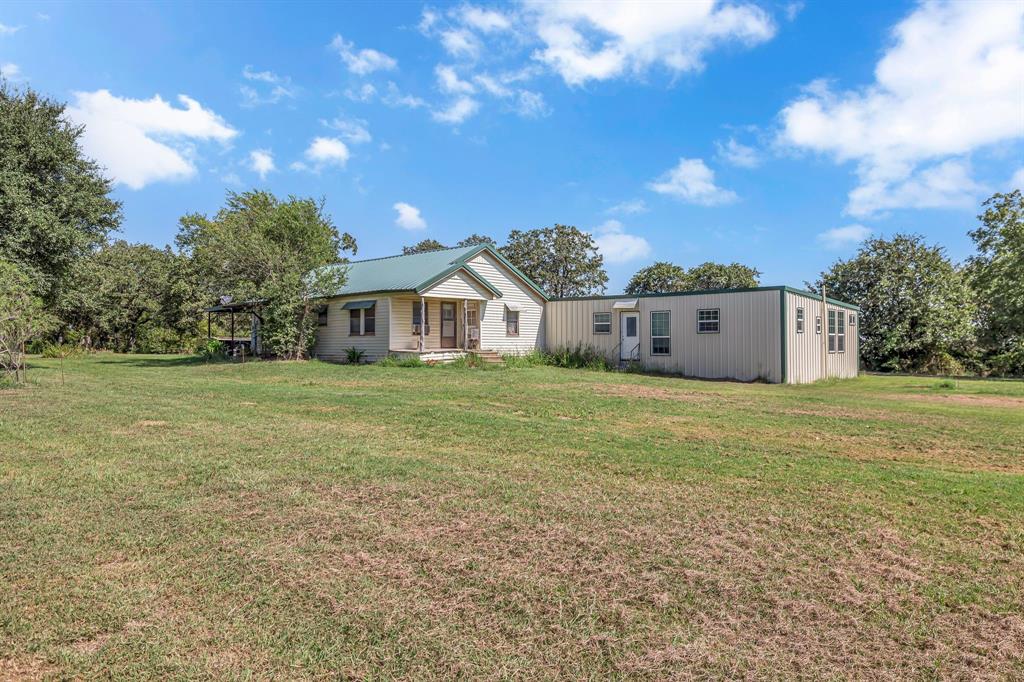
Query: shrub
{"x": 578, "y": 357}
{"x": 943, "y": 364}
{"x": 61, "y": 350}
{"x": 531, "y": 359}
{"x": 354, "y": 356}
{"x": 212, "y": 350}
{"x": 1009, "y": 364}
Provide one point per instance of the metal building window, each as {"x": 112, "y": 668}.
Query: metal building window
{"x": 817, "y": 324}
{"x": 799, "y": 320}
{"x": 661, "y": 332}
{"x": 602, "y": 323}
{"x": 831, "y": 331}
{"x": 708, "y": 321}
{"x": 840, "y": 331}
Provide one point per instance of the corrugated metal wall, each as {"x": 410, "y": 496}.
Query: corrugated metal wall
{"x": 805, "y": 350}
{"x": 748, "y": 346}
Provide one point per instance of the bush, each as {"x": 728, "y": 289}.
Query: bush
{"x": 61, "y": 350}
{"x": 532, "y": 359}
{"x": 943, "y": 364}
{"x": 1010, "y": 364}
{"x": 212, "y": 350}
{"x": 578, "y": 357}
{"x": 159, "y": 340}
{"x": 354, "y": 356}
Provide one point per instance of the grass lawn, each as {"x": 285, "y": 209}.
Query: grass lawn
{"x": 161, "y": 517}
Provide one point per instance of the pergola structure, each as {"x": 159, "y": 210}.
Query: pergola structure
{"x": 252, "y": 341}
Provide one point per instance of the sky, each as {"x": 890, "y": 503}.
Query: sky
{"x": 775, "y": 134}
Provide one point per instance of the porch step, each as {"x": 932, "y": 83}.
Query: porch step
{"x": 488, "y": 356}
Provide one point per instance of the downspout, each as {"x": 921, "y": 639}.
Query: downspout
{"x": 824, "y": 333}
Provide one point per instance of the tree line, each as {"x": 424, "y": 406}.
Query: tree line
{"x": 65, "y": 278}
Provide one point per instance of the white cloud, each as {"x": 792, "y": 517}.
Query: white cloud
{"x": 10, "y": 71}
{"x": 327, "y": 151}
{"x": 843, "y": 237}
{"x": 395, "y": 98}
{"x": 261, "y": 161}
{"x": 949, "y": 83}
{"x": 738, "y": 154}
{"x": 277, "y": 88}
{"x": 352, "y": 130}
{"x": 617, "y": 246}
{"x": 693, "y": 182}
{"x": 1017, "y": 181}
{"x": 459, "y": 42}
{"x": 144, "y": 141}
{"x": 365, "y": 93}
{"x": 409, "y": 217}
{"x": 584, "y": 41}
{"x": 492, "y": 85}
{"x": 6, "y": 30}
{"x": 484, "y": 20}
{"x": 41, "y": 16}
{"x": 231, "y": 179}
{"x": 531, "y": 104}
{"x": 362, "y": 62}
{"x": 457, "y": 112}
{"x": 631, "y": 207}
{"x": 448, "y": 81}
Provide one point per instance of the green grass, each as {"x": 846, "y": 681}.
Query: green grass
{"x": 162, "y": 517}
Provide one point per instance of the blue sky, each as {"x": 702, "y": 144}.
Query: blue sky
{"x": 776, "y": 134}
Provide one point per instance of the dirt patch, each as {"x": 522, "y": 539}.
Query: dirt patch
{"x": 90, "y": 646}
{"x": 23, "y": 669}
{"x": 656, "y": 392}
{"x": 150, "y": 423}
{"x": 960, "y": 399}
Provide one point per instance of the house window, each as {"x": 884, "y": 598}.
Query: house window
{"x": 708, "y": 321}
{"x": 511, "y": 322}
{"x": 362, "y": 322}
{"x": 602, "y": 323}
{"x": 417, "y": 319}
{"x": 661, "y": 332}
{"x": 840, "y": 331}
{"x": 370, "y": 321}
{"x": 831, "y": 331}
{"x": 853, "y": 319}
{"x": 817, "y": 324}
{"x": 321, "y": 316}
{"x": 799, "y": 320}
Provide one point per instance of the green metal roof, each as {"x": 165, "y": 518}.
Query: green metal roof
{"x": 420, "y": 271}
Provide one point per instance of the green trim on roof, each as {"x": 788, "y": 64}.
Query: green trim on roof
{"x": 704, "y": 292}
{"x": 451, "y": 271}
{"x": 358, "y": 305}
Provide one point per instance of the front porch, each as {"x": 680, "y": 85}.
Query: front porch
{"x": 433, "y": 327}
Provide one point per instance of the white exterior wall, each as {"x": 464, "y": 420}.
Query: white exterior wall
{"x": 333, "y": 340}
{"x": 748, "y": 347}
{"x": 402, "y": 338}
{"x": 805, "y": 350}
{"x": 458, "y": 286}
{"x": 492, "y": 313}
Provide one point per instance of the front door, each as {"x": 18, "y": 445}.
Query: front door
{"x": 629, "y": 336}
{"x": 447, "y": 325}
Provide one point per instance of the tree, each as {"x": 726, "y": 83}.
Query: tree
{"x": 424, "y": 246}
{"x": 131, "y": 298}
{"x": 996, "y": 274}
{"x": 562, "y": 260}
{"x": 474, "y": 239}
{"x": 658, "y": 278}
{"x": 22, "y": 317}
{"x": 916, "y": 308}
{"x": 54, "y": 203}
{"x": 287, "y": 254}
{"x": 718, "y": 276}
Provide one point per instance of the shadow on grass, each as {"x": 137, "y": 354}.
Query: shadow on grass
{"x": 169, "y": 361}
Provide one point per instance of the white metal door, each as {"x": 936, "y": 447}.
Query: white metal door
{"x": 629, "y": 336}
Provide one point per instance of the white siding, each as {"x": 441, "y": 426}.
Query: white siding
{"x": 402, "y": 337}
{"x": 333, "y": 340}
{"x": 804, "y": 351}
{"x": 458, "y": 285}
{"x": 492, "y": 313}
{"x": 747, "y": 348}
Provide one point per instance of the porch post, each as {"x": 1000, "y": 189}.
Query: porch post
{"x": 465, "y": 325}
{"x": 423, "y": 321}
